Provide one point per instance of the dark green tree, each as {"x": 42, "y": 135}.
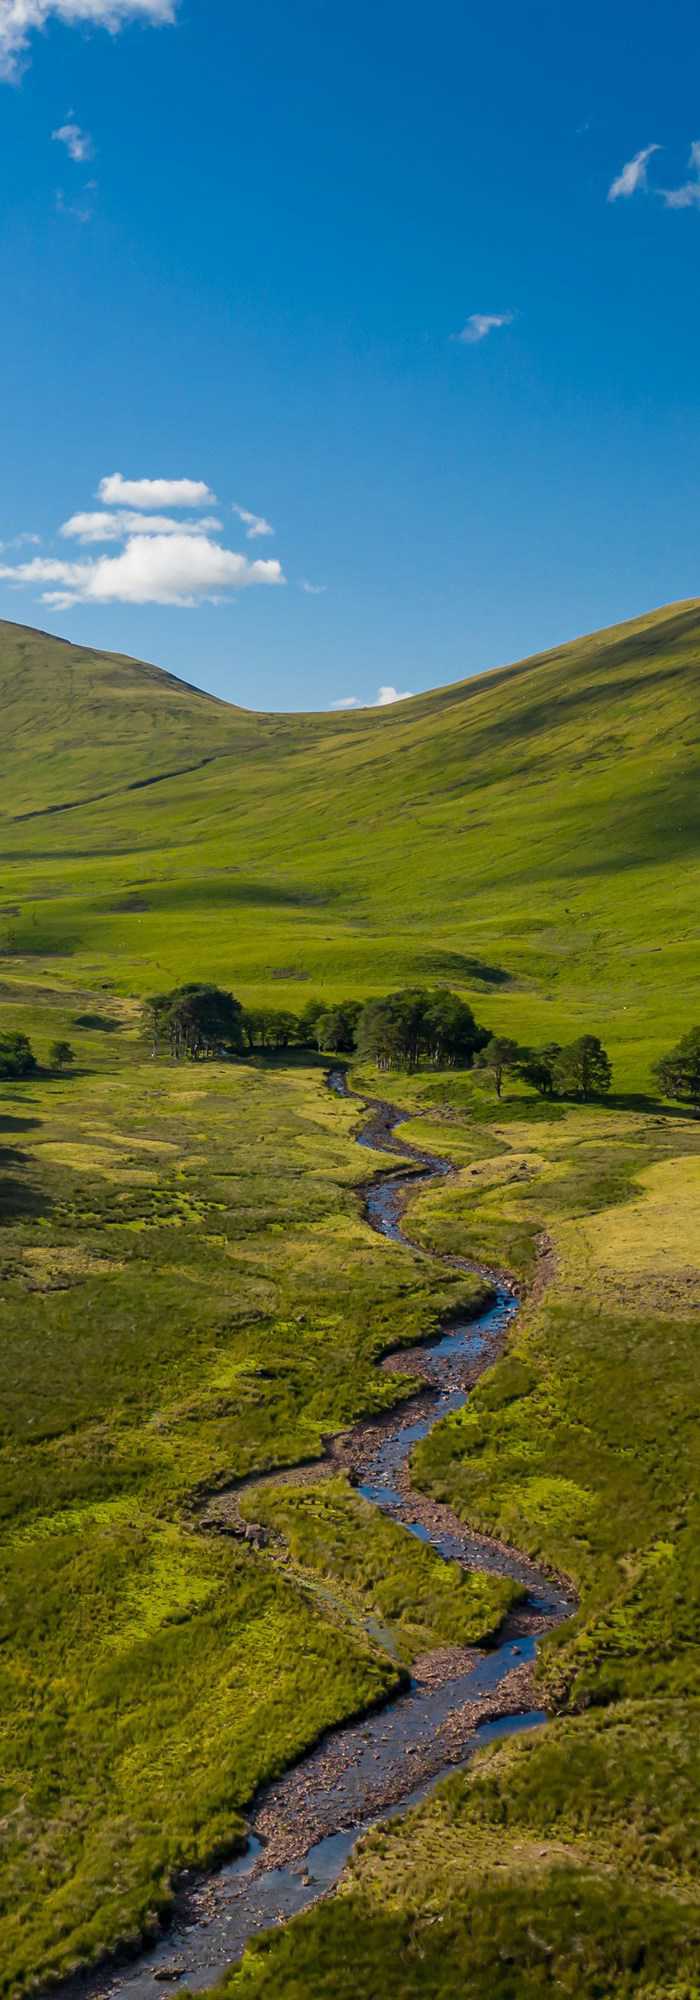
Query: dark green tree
{"x": 582, "y": 1069}
{"x": 252, "y": 1023}
{"x": 336, "y": 1029}
{"x": 537, "y": 1068}
{"x": 17, "y": 1057}
{"x": 678, "y": 1073}
{"x": 419, "y": 1024}
{"x": 308, "y": 1019}
{"x": 61, "y": 1055}
{"x": 381, "y": 1036}
{"x": 196, "y": 1021}
{"x": 270, "y": 1028}
{"x": 282, "y": 1027}
{"x": 450, "y": 1035}
{"x": 499, "y": 1055}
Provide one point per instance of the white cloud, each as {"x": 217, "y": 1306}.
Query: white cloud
{"x": 633, "y": 176}
{"x": 385, "y": 698}
{"x": 687, "y": 196}
{"x": 479, "y": 325}
{"x": 180, "y": 569}
{"x": 387, "y": 695}
{"x": 78, "y": 144}
{"x": 255, "y": 524}
{"x": 154, "y": 493}
{"x": 312, "y": 589}
{"x": 20, "y": 18}
{"x": 117, "y": 527}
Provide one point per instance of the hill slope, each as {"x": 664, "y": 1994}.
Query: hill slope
{"x": 540, "y": 821}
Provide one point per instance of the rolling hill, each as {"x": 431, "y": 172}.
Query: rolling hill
{"x": 531, "y": 834}
{"x": 190, "y": 1296}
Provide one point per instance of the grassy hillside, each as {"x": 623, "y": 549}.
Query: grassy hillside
{"x": 531, "y": 835}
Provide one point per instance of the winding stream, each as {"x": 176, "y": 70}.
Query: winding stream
{"x": 303, "y": 1828}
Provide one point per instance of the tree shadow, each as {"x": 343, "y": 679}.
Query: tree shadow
{"x": 102, "y": 1024}
{"x": 655, "y": 1107}
{"x": 10, "y": 1124}
{"x": 295, "y": 1059}
{"x": 20, "y": 1201}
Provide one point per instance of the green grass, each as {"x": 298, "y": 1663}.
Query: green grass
{"x": 567, "y": 1862}
{"x": 563, "y": 1865}
{"x": 188, "y": 1296}
{"x": 427, "y": 1602}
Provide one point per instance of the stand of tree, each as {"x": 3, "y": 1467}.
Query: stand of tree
{"x": 417, "y": 1025}
{"x": 196, "y": 1021}
{"x": 430, "y": 1025}
{"x": 421, "y": 1024}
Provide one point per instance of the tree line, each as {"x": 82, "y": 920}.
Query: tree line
{"x": 416, "y": 1026}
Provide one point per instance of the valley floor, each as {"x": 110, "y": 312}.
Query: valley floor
{"x": 190, "y": 1295}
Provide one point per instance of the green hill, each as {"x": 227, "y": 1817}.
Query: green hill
{"x": 531, "y": 833}
{"x": 190, "y": 1294}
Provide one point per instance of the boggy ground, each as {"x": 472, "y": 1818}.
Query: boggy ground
{"x": 567, "y": 1861}
{"x": 188, "y": 1295}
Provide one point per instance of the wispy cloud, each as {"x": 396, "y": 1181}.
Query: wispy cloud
{"x": 118, "y": 526}
{"x": 254, "y": 524}
{"x": 81, "y": 207}
{"x": 480, "y": 325}
{"x": 633, "y": 175}
{"x": 116, "y": 491}
{"x": 19, "y": 20}
{"x": 152, "y": 569}
{"x": 385, "y": 697}
{"x": 78, "y": 144}
{"x": 688, "y": 195}
{"x": 312, "y": 589}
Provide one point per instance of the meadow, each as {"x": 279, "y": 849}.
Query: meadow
{"x": 189, "y": 1295}
{"x": 567, "y": 1861}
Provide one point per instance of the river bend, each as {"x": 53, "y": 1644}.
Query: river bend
{"x": 303, "y": 1828}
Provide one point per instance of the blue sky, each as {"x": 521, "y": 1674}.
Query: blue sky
{"x": 253, "y": 280}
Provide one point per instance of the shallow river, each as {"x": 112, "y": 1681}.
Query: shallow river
{"x": 382, "y": 1765}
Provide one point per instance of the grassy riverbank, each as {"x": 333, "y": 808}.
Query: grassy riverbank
{"x": 425, "y": 1601}
{"x": 566, "y": 1862}
{"x": 187, "y": 1295}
